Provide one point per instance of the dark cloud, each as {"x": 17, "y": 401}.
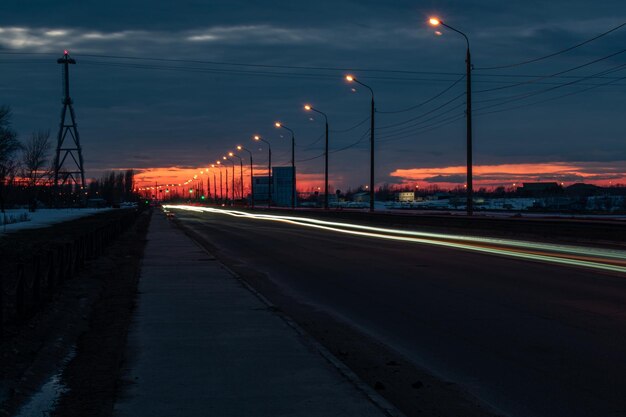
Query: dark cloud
{"x": 189, "y": 114}
{"x": 456, "y": 179}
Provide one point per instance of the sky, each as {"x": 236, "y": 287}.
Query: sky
{"x": 159, "y": 86}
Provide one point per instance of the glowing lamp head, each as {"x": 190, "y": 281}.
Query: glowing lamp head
{"x": 218, "y": 162}
{"x": 349, "y": 78}
{"x": 212, "y": 165}
{"x": 434, "y": 21}
{"x": 224, "y": 158}
{"x": 230, "y": 154}
{"x": 257, "y": 137}
{"x": 307, "y": 107}
{"x": 239, "y": 147}
{"x": 277, "y": 124}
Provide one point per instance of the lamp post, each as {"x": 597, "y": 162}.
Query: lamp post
{"x": 293, "y": 163}
{"x": 269, "y": 172}
{"x": 352, "y": 78}
{"x": 208, "y": 183}
{"x": 233, "y": 155}
{"x": 241, "y": 148}
{"x": 468, "y": 74}
{"x": 219, "y": 164}
{"x": 214, "y": 185}
{"x": 311, "y": 108}
{"x": 232, "y": 189}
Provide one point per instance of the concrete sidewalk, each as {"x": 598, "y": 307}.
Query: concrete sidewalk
{"x": 202, "y": 344}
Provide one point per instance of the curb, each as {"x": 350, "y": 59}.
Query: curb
{"x": 374, "y": 397}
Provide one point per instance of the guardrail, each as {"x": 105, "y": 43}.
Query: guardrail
{"x": 33, "y": 277}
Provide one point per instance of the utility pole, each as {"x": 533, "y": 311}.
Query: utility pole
{"x": 68, "y": 146}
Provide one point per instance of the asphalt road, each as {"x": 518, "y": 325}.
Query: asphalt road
{"x": 528, "y": 338}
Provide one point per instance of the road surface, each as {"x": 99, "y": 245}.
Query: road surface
{"x": 540, "y": 333}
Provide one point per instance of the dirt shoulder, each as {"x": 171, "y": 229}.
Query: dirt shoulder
{"x": 85, "y": 322}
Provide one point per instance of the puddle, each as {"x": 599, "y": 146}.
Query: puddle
{"x": 44, "y": 401}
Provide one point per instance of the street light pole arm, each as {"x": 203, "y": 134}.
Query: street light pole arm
{"x": 268, "y": 144}
{"x": 459, "y": 32}
{"x": 322, "y": 113}
{"x": 364, "y": 85}
{"x": 286, "y": 128}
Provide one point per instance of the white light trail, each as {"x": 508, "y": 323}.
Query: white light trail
{"x": 595, "y": 258}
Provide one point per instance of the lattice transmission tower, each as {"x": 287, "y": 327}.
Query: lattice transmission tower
{"x": 68, "y": 162}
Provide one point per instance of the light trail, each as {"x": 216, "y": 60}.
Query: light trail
{"x": 594, "y": 258}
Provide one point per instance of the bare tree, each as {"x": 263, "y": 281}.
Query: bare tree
{"x": 9, "y": 146}
{"x": 35, "y": 155}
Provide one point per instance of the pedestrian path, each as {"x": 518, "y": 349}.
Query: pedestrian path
{"x": 202, "y": 344}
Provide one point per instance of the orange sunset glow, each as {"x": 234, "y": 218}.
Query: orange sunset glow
{"x": 445, "y": 177}
{"x": 506, "y": 174}
{"x": 150, "y": 177}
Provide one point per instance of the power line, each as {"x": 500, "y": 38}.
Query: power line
{"x": 295, "y": 75}
{"x": 427, "y": 101}
{"x": 352, "y": 145}
{"x": 310, "y": 145}
{"x": 554, "y": 53}
{"x": 423, "y": 114}
{"x": 352, "y": 127}
{"x": 340, "y": 149}
{"x": 235, "y": 64}
{"x": 434, "y": 126}
{"x": 550, "y": 99}
{"x": 419, "y": 124}
{"x": 522, "y": 96}
{"x": 595, "y": 61}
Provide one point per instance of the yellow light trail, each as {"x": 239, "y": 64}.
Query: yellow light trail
{"x": 595, "y": 258}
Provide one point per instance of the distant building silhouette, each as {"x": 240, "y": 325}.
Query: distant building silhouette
{"x": 282, "y": 185}
{"x": 539, "y": 189}
{"x": 583, "y": 190}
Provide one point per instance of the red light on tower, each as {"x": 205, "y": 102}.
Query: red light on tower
{"x": 66, "y": 52}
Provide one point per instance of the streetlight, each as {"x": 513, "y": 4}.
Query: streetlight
{"x": 293, "y": 163}
{"x": 308, "y": 107}
{"x": 232, "y": 154}
{"x": 220, "y": 166}
{"x": 232, "y": 190}
{"x": 468, "y": 73}
{"x": 269, "y": 170}
{"x": 241, "y": 148}
{"x": 214, "y": 185}
{"x": 208, "y": 183}
{"x": 352, "y": 78}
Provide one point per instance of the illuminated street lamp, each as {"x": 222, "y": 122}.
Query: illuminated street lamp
{"x": 269, "y": 168}
{"x": 352, "y": 78}
{"x": 220, "y": 166}
{"x": 241, "y": 148}
{"x": 308, "y": 107}
{"x": 293, "y": 163}
{"x": 232, "y": 190}
{"x": 233, "y": 155}
{"x": 468, "y": 73}
{"x": 208, "y": 182}
{"x": 214, "y": 185}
